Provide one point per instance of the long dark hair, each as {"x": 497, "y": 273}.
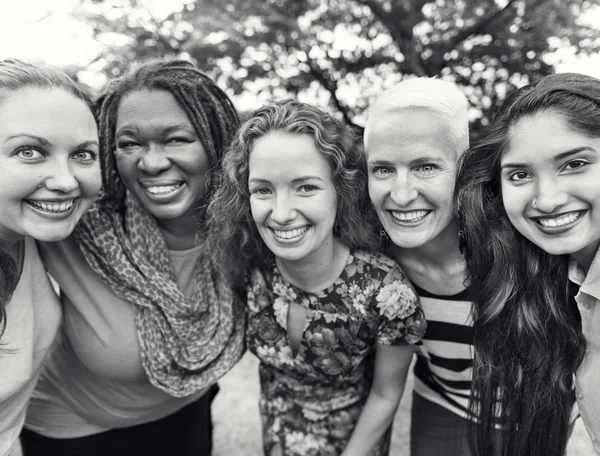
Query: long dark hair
{"x": 207, "y": 106}
{"x": 528, "y": 339}
{"x": 17, "y": 75}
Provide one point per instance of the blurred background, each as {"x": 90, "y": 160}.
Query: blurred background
{"x": 336, "y": 54}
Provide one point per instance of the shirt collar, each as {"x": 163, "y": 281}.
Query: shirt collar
{"x": 590, "y": 283}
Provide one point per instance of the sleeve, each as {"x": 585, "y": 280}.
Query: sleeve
{"x": 398, "y": 309}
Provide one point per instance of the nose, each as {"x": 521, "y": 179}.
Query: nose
{"x": 550, "y": 195}
{"x": 61, "y": 178}
{"x": 283, "y": 211}
{"x": 154, "y": 160}
{"x": 403, "y": 192}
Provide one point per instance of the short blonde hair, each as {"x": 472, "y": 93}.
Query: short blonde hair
{"x": 441, "y": 97}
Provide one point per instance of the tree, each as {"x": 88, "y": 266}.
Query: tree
{"x": 343, "y": 53}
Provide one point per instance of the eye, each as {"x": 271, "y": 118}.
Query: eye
{"x": 428, "y": 168}
{"x": 126, "y": 144}
{"x": 29, "y": 153}
{"x": 261, "y": 191}
{"x": 381, "y": 171}
{"x": 178, "y": 140}
{"x": 307, "y": 188}
{"x": 575, "y": 164}
{"x": 84, "y": 156}
{"x": 519, "y": 176}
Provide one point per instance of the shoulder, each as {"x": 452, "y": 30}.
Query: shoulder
{"x": 374, "y": 260}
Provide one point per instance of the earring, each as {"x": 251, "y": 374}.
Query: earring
{"x": 384, "y": 239}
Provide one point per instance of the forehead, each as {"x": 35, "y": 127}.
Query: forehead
{"x": 410, "y": 134}
{"x": 150, "y": 107}
{"x": 46, "y": 113}
{"x": 286, "y": 156}
{"x": 543, "y": 135}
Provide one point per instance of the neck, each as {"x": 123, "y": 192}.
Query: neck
{"x": 317, "y": 271}
{"x": 585, "y": 256}
{"x": 181, "y": 233}
{"x": 440, "y": 252}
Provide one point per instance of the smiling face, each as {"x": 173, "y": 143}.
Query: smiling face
{"x": 49, "y": 163}
{"x": 159, "y": 155}
{"x": 292, "y": 197}
{"x": 412, "y": 171}
{"x": 558, "y": 168}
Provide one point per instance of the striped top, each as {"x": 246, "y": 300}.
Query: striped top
{"x": 444, "y": 366}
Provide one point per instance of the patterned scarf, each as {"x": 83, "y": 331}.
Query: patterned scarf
{"x": 186, "y": 344}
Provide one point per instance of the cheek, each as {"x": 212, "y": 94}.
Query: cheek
{"x": 90, "y": 180}
{"x": 125, "y": 165}
{"x": 377, "y": 194}
{"x": 257, "y": 210}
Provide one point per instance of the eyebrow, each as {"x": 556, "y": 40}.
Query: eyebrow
{"x": 306, "y": 178}
{"x": 416, "y": 161}
{"x": 39, "y": 139}
{"x": 257, "y": 180}
{"x": 44, "y": 142}
{"x": 88, "y": 144}
{"x": 379, "y": 162}
{"x": 555, "y": 159}
{"x": 134, "y": 129}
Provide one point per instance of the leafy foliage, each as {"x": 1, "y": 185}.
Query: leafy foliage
{"x": 342, "y": 53}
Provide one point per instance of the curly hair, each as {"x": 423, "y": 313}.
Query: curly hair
{"x": 208, "y": 108}
{"x": 17, "y": 75}
{"x": 233, "y": 235}
{"x": 528, "y": 339}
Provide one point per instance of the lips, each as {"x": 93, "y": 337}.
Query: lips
{"x": 559, "y": 222}
{"x": 53, "y": 207}
{"x": 408, "y": 217}
{"x": 290, "y": 234}
{"x": 163, "y": 191}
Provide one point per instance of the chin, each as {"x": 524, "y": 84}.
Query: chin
{"x": 51, "y": 237}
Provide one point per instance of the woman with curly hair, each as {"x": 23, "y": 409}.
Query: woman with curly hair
{"x": 150, "y": 326}
{"x": 50, "y": 177}
{"x": 529, "y": 192}
{"x": 332, "y": 324}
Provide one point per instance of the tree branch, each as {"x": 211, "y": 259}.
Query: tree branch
{"x": 329, "y": 85}
{"x": 401, "y": 32}
{"x": 475, "y": 28}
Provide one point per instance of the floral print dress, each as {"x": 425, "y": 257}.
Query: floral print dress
{"x": 311, "y": 400}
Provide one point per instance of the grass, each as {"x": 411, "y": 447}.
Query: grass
{"x": 237, "y": 421}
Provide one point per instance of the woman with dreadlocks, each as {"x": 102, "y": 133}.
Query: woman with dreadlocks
{"x": 149, "y": 325}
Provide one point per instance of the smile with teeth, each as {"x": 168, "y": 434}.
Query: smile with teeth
{"x": 290, "y": 234}
{"x": 409, "y": 216}
{"x": 163, "y": 189}
{"x": 54, "y": 207}
{"x": 556, "y": 222}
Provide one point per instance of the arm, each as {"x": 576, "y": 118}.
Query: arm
{"x": 391, "y": 368}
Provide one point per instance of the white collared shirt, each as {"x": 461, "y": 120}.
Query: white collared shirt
{"x": 587, "y": 378}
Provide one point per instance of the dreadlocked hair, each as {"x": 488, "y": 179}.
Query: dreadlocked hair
{"x": 17, "y": 75}
{"x": 233, "y": 235}
{"x": 527, "y": 329}
{"x": 208, "y": 108}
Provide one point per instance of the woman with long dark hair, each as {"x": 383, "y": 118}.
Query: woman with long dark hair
{"x": 50, "y": 177}
{"x": 528, "y": 192}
